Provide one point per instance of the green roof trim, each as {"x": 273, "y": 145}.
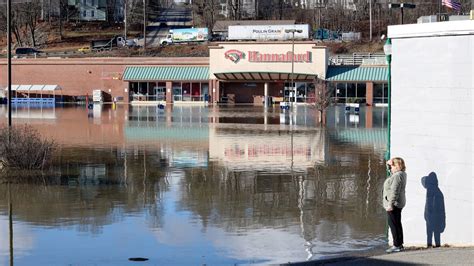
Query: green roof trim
{"x": 374, "y": 136}
{"x": 357, "y": 73}
{"x": 183, "y": 133}
{"x": 168, "y": 73}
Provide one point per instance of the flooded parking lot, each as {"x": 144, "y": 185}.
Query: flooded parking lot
{"x": 199, "y": 185}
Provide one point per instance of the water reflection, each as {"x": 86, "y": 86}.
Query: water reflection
{"x": 222, "y": 185}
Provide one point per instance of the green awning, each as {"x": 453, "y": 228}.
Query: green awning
{"x": 168, "y": 73}
{"x": 357, "y": 73}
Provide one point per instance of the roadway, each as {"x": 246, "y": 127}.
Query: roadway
{"x": 168, "y": 18}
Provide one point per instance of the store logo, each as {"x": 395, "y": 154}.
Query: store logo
{"x": 234, "y": 55}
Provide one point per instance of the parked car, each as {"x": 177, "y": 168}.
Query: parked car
{"x": 217, "y": 38}
{"x": 27, "y": 51}
{"x": 84, "y": 49}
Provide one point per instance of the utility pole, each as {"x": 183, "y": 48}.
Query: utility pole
{"x": 370, "y": 19}
{"x": 125, "y": 19}
{"x": 320, "y": 5}
{"x": 144, "y": 27}
{"x": 9, "y": 61}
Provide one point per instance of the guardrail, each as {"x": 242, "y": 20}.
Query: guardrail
{"x": 358, "y": 59}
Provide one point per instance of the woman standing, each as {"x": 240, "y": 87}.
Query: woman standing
{"x": 394, "y": 201}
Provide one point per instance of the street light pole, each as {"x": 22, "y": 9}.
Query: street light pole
{"x": 293, "y": 64}
{"x": 9, "y": 60}
{"x": 293, "y": 31}
{"x": 144, "y": 27}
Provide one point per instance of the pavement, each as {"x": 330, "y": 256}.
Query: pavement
{"x": 431, "y": 256}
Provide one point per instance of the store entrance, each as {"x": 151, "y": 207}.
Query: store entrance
{"x": 251, "y": 92}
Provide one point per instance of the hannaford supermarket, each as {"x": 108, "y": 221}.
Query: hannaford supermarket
{"x": 234, "y": 73}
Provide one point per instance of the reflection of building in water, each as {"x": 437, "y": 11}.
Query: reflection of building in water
{"x": 181, "y": 133}
{"x": 32, "y": 113}
{"x": 267, "y": 150}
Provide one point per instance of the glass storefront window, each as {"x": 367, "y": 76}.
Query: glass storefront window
{"x": 177, "y": 91}
{"x": 378, "y": 93}
{"x": 351, "y": 90}
{"x": 138, "y": 91}
{"x": 311, "y": 93}
{"x": 361, "y": 92}
{"x": 385, "y": 93}
{"x": 186, "y": 91}
{"x": 143, "y": 88}
{"x": 341, "y": 92}
{"x": 196, "y": 91}
{"x": 301, "y": 91}
{"x": 160, "y": 91}
{"x": 205, "y": 91}
{"x": 156, "y": 91}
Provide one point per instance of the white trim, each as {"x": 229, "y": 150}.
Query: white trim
{"x": 436, "y": 29}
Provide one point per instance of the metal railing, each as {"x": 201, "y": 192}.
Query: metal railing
{"x": 358, "y": 59}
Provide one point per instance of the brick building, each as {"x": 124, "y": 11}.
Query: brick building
{"x": 239, "y": 72}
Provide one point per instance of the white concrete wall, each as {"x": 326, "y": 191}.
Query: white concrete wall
{"x": 432, "y": 122}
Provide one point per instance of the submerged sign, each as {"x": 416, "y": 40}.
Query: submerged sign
{"x": 257, "y": 57}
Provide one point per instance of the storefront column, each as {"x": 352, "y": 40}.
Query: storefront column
{"x": 369, "y": 93}
{"x": 265, "y": 94}
{"x": 216, "y": 92}
{"x": 169, "y": 92}
{"x": 210, "y": 96}
{"x": 126, "y": 94}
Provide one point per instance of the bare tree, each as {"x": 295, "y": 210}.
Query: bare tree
{"x": 235, "y": 7}
{"x": 323, "y": 99}
{"x": 208, "y": 10}
{"x": 17, "y": 23}
{"x": 23, "y": 147}
{"x": 32, "y": 13}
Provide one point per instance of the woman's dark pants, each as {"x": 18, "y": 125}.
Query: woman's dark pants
{"x": 395, "y": 224}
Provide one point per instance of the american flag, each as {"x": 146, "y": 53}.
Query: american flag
{"x": 453, "y": 4}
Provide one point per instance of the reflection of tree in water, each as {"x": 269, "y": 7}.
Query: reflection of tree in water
{"x": 324, "y": 200}
{"x": 91, "y": 188}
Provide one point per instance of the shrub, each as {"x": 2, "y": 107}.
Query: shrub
{"x": 23, "y": 148}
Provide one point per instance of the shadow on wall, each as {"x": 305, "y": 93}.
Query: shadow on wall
{"x": 435, "y": 215}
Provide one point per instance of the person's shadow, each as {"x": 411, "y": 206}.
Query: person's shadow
{"x": 435, "y": 215}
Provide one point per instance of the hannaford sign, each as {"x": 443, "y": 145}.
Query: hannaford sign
{"x": 257, "y": 57}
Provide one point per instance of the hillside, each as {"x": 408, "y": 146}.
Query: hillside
{"x": 76, "y": 36}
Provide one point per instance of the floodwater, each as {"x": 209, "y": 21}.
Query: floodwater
{"x": 198, "y": 185}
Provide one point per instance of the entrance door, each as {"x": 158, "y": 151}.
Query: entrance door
{"x": 289, "y": 92}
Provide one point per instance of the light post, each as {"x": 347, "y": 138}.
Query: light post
{"x": 293, "y": 31}
{"x": 387, "y": 49}
{"x": 9, "y": 61}
{"x": 144, "y": 27}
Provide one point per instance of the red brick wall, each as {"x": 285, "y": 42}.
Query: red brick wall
{"x": 80, "y": 76}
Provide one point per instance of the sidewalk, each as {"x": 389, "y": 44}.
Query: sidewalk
{"x": 444, "y": 255}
